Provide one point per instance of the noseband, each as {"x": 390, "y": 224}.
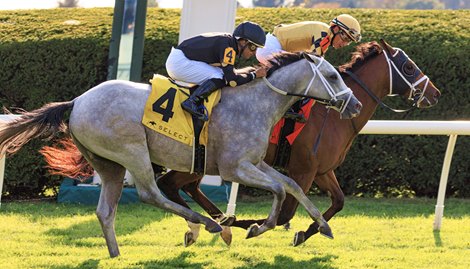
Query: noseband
{"x": 405, "y": 80}
{"x": 334, "y": 102}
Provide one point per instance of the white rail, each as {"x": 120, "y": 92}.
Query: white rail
{"x": 2, "y": 158}
{"x": 451, "y": 128}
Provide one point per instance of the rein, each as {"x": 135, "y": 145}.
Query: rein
{"x": 320, "y": 100}
{"x": 372, "y": 95}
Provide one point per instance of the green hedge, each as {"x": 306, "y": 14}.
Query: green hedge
{"x": 44, "y": 59}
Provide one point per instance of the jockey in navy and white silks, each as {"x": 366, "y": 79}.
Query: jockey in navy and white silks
{"x": 208, "y": 60}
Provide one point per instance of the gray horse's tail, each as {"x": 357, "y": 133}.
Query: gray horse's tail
{"x": 42, "y": 123}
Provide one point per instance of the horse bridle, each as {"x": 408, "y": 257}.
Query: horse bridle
{"x": 408, "y": 79}
{"x": 402, "y": 83}
{"x": 334, "y": 102}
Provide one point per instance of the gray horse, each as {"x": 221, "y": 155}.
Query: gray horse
{"x": 105, "y": 124}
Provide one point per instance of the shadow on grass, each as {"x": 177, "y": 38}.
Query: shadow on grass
{"x": 181, "y": 261}
{"x": 280, "y": 261}
{"x": 129, "y": 219}
{"x": 88, "y": 264}
{"x": 184, "y": 261}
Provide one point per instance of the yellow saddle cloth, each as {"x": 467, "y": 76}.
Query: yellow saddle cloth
{"x": 163, "y": 112}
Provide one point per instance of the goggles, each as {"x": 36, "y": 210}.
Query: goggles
{"x": 252, "y": 46}
{"x": 353, "y": 34}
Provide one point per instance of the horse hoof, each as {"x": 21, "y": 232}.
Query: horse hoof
{"x": 253, "y": 231}
{"x": 189, "y": 239}
{"x": 213, "y": 227}
{"x": 226, "y": 235}
{"x": 299, "y": 238}
{"x": 287, "y": 226}
{"x": 227, "y": 220}
{"x": 326, "y": 231}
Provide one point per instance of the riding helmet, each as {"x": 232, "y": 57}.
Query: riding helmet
{"x": 252, "y": 32}
{"x": 349, "y": 25}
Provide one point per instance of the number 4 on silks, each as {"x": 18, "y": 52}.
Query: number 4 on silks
{"x": 166, "y": 112}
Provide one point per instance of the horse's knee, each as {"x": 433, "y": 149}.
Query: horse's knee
{"x": 279, "y": 192}
{"x": 338, "y": 202}
{"x": 150, "y": 198}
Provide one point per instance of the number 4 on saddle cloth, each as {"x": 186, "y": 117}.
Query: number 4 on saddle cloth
{"x": 163, "y": 113}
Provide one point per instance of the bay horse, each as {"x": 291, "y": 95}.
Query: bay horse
{"x": 374, "y": 72}
{"x": 105, "y": 125}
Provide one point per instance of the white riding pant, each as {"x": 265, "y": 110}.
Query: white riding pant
{"x": 183, "y": 69}
{"x": 272, "y": 46}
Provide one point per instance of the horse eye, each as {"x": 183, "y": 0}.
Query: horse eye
{"x": 409, "y": 69}
{"x": 334, "y": 77}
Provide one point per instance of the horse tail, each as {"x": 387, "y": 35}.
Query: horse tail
{"x": 43, "y": 123}
{"x": 65, "y": 159}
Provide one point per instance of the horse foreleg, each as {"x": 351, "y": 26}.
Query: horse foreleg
{"x": 169, "y": 184}
{"x": 192, "y": 190}
{"x": 293, "y": 188}
{"x": 289, "y": 207}
{"x": 245, "y": 224}
{"x": 329, "y": 184}
{"x": 248, "y": 174}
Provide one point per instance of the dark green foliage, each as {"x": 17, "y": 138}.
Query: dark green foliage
{"x": 43, "y": 59}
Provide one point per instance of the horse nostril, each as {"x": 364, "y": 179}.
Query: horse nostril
{"x": 358, "y": 106}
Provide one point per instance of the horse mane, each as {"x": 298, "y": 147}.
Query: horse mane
{"x": 281, "y": 59}
{"x": 361, "y": 55}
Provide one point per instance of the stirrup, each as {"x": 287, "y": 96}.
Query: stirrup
{"x": 193, "y": 109}
{"x": 297, "y": 117}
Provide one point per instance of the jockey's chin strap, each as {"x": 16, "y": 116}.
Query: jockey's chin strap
{"x": 416, "y": 94}
{"x": 335, "y": 103}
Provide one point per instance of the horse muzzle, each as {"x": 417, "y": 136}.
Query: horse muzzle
{"x": 349, "y": 108}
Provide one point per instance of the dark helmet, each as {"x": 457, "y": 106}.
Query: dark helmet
{"x": 252, "y": 32}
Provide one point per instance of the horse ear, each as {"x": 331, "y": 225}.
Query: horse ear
{"x": 386, "y": 47}
{"x": 309, "y": 57}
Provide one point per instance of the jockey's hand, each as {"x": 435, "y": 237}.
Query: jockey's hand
{"x": 261, "y": 72}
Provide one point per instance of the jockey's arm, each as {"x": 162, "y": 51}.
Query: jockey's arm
{"x": 233, "y": 79}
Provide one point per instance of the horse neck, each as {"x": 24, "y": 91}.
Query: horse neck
{"x": 375, "y": 75}
{"x": 271, "y": 105}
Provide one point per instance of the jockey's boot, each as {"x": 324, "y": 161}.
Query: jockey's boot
{"x": 203, "y": 91}
{"x": 297, "y": 117}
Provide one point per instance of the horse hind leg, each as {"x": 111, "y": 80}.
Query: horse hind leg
{"x": 112, "y": 178}
{"x": 141, "y": 169}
